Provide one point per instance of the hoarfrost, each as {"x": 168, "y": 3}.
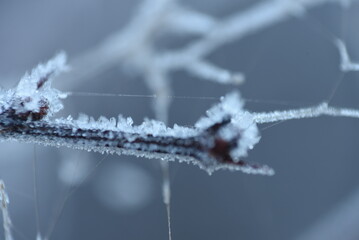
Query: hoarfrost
{"x": 38, "y": 83}
{"x": 241, "y": 127}
{"x": 250, "y": 134}
{"x": 242, "y": 123}
{"x": 34, "y": 97}
{"x": 230, "y": 105}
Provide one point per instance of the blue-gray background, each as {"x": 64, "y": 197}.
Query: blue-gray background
{"x": 316, "y": 160}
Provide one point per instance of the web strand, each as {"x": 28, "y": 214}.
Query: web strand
{"x": 69, "y": 193}
{"x": 204, "y": 98}
{"x": 35, "y": 192}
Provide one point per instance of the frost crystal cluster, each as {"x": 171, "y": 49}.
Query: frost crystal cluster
{"x": 33, "y": 98}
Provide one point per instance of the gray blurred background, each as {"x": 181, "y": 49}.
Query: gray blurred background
{"x": 316, "y": 160}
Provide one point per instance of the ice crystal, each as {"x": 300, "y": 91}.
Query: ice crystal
{"x": 242, "y": 123}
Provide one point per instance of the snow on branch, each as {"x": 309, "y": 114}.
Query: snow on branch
{"x": 346, "y": 65}
{"x": 4, "y": 201}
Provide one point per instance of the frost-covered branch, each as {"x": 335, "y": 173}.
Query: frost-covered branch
{"x": 219, "y": 140}
{"x": 4, "y": 201}
{"x": 310, "y": 112}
